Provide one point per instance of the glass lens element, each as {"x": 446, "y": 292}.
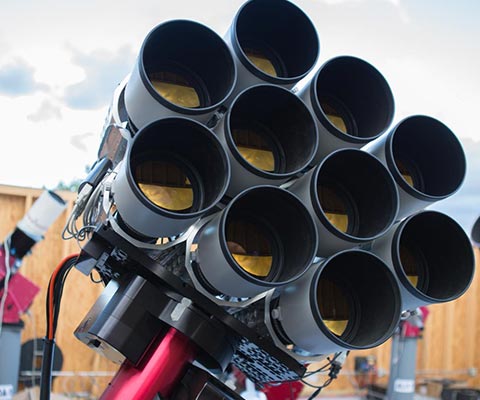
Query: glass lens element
{"x": 175, "y": 88}
{"x": 409, "y": 263}
{"x": 334, "y": 116}
{"x": 405, "y": 172}
{"x": 254, "y": 149}
{"x": 250, "y": 247}
{"x": 165, "y": 185}
{"x": 334, "y": 206}
{"x": 333, "y": 306}
{"x": 261, "y": 61}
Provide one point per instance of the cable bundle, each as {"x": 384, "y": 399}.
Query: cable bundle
{"x": 54, "y": 295}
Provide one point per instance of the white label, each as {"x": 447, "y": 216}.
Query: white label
{"x": 6, "y": 392}
{"x": 404, "y": 386}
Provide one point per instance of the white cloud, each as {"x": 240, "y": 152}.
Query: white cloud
{"x": 46, "y": 111}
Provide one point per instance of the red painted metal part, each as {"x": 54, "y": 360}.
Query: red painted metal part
{"x": 159, "y": 371}
{"x": 21, "y": 292}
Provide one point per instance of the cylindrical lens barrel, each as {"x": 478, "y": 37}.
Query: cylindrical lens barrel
{"x": 270, "y": 135}
{"x": 426, "y": 160}
{"x": 264, "y": 238}
{"x": 31, "y": 228}
{"x": 349, "y": 301}
{"x": 352, "y": 197}
{"x": 352, "y": 102}
{"x": 475, "y": 234}
{"x": 273, "y": 41}
{"x": 183, "y": 68}
{"x": 174, "y": 171}
{"x": 432, "y": 257}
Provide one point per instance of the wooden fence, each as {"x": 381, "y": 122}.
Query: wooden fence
{"x": 450, "y": 346}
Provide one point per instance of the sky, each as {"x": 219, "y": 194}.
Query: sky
{"x": 60, "y": 62}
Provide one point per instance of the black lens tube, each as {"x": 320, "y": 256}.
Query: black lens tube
{"x": 426, "y": 160}
{"x": 371, "y": 300}
{"x": 432, "y": 257}
{"x": 352, "y": 197}
{"x": 185, "y": 171}
{"x": 475, "y": 233}
{"x": 283, "y": 229}
{"x": 273, "y": 41}
{"x": 270, "y": 136}
{"x": 183, "y": 67}
{"x": 352, "y": 102}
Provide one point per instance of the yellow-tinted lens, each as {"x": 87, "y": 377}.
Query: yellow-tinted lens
{"x": 254, "y": 149}
{"x": 334, "y": 116}
{"x": 261, "y": 61}
{"x": 250, "y": 248}
{"x": 334, "y": 207}
{"x": 409, "y": 264}
{"x": 165, "y": 185}
{"x": 406, "y": 174}
{"x": 175, "y": 88}
{"x": 333, "y": 306}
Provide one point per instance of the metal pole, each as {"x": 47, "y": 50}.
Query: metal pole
{"x": 401, "y": 385}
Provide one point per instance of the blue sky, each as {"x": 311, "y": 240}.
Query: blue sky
{"x": 60, "y": 62}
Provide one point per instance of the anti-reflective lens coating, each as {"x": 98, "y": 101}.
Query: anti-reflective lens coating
{"x": 333, "y": 305}
{"x": 188, "y": 64}
{"x": 176, "y": 88}
{"x": 353, "y": 98}
{"x": 338, "y": 116}
{"x": 435, "y": 256}
{"x": 337, "y": 206}
{"x": 272, "y": 130}
{"x": 165, "y": 184}
{"x": 250, "y": 245}
{"x": 358, "y": 298}
{"x": 277, "y": 38}
{"x": 428, "y": 156}
{"x": 409, "y": 173}
{"x": 255, "y": 145}
{"x": 356, "y": 194}
{"x": 173, "y": 171}
{"x": 413, "y": 264}
{"x": 263, "y": 61}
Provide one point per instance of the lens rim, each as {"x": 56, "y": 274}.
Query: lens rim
{"x": 238, "y": 49}
{"x": 201, "y": 129}
{"x": 187, "y": 169}
{"x": 175, "y": 107}
{"x": 353, "y": 308}
{"x": 277, "y": 245}
{"x": 322, "y": 117}
{"x": 475, "y": 233}
{"x": 196, "y": 83}
{"x": 273, "y": 139}
{"x": 397, "y": 264}
{"x": 392, "y": 165}
{"x": 354, "y": 322}
{"x": 273, "y": 144}
{"x": 350, "y": 207}
{"x": 320, "y": 214}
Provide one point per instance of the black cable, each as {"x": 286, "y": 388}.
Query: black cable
{"x": 335, "y": 367}
{"x": 53, "y": 300}
{"x": 47, "y": 366}
{"x": 323, "y": 367}
{"x": 58, "y": 290}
